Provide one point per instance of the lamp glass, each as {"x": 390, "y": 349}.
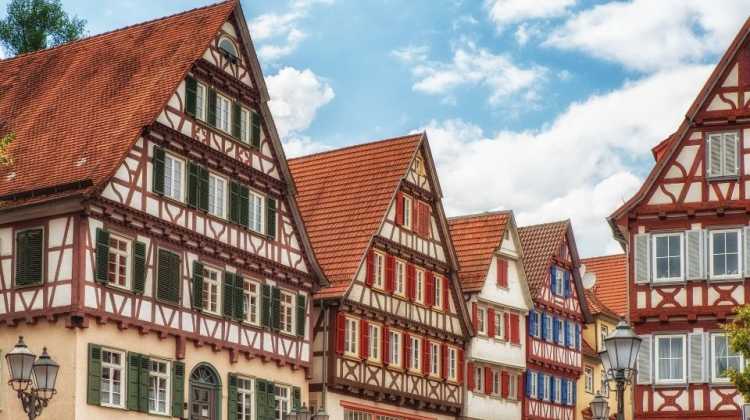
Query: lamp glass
{"x": 606, "y": 363}
{"x": 599, "y": 407}
{"x": 621, "y": 346}
{"x": 45, "y": 375}
{"x": 20, "y": 363}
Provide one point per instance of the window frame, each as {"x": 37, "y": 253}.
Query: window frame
{"x": 378, "y": 270}
{"x": 415, "y": 356}
{"x": 281, "y": 400}
{"x": 221, "y": 98}
{"x": 123, "y": 366}
{"x": 128, "y": 261}
{"x": 657, "y": 341}
{"x": 603, "y": 333}
{"x": 167, "y": 375}
{"x": 399, "y": 281}
{"x": 549, "y": 321}
{"x": 496, "y": 385}
{"x": 374, "y": 342}
{"x": 437, "y": 292}
{"x": 246, "y": 292}
{"x": 559, "y": 282}
{"x": 557, "y": 398}
{"x": 714, "y": 360}
{"x": 408, "y": 223}
{"x": 219, "y": 288}
{"x": 397, "y": 353}
{"x": 479, "y": 384}
{"x": 224, "y": 196}
{"x": 588, "y": 379}
{"x": 711, "y": 274}
{"x": 722, "y": 135}
{"x": 452, "y": 373}
{"x": 654, "y": 274}
{"x": 419, "y": 279}
{"x": 252, "y": 195}
{"x": 435, "y": 358}
{"x": 533, "y": 386}
{"x": 243, "y": 391}
{"x": 512, "y": 386}
{"x": 547, "y": 388}
{"x": 351, "y": 336}
{"x": 560, "y": 331}
{"x": 481, "y": 320}
{"x": 171, "y": 186}
{"x": 290, "y": 307}
{"x": 499, "y": 325}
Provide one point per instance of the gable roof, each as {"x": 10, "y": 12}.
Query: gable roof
{"x": 666, "y": 149}
{"x": 611, "y": 286}
{"x": 79, "y": 107}
{"x": 343, "y": 196}
{"x": 476, "y": 237}
{"x": 597, "y": 307}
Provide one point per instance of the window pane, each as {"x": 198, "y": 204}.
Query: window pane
{"x": 661, "y": 246}
{"x": 718, "y": 243}
{"x": 674, "y": 245}
{"x": 731, "y": 264}
{"x": 674, "y": 267}
{"x": 719, "y": 266}
{"x": 732, "y": 241}
{"x": 662, "y": 267}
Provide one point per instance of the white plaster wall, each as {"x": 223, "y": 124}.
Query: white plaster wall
{"x": 482, "y": 406}
{"x": 336, "y": 411}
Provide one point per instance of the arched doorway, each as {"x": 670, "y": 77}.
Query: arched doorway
{"x": 205, "y": 393}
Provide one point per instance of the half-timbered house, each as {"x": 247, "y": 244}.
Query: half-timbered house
{"x": 687, "y": 236}
{"x": 391, "y": 328}
{"x": 497, "y": 294}
{"x": 149, "y": 234}
{"x": 553, "y": 339}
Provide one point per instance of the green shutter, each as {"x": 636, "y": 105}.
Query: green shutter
{"x": 29, "y": 258}
{"x": 301, "y": 303}
{"x": 94, "y": 393}
{"x": 238, "y": 204}
{"x": 143, "y": 384}
{"x": 168, "y": 277}
{"x": 178, "y": 388}
{"x": 244, "y": 206}
{"x": 139, "y": 267}
{"x": 239, "y": 301}
{"x": 255, "y": 133}
{"x": 102, "y": 255}
{"x": 203, "y": 188}
{"x": 271, "y": 217}
{"x": 157, "y": 178}
{"x": 193, "y": 184}
{"x": 134, "y": 377}
{"x": 211, "y": 108}
{"x": 191, "y": 95}
{"x": 260, "y": 399}
{"x": 276, "y": 308}
{"x": 296, "y": 397}
{"x": 197, "y": 285}
{"x": 236, "y": 120}
{"x": 265, "y": 309}
{"x": 270, "y": 400}
{"x": 232, "y": 397}
{"x": 228, "y": 294}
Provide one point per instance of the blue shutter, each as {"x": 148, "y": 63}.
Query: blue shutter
{"x": 551, "y": 389}
{"x": 567, "y": 333}
{"x": 566, "y": 285}
{"x": 540, "y": 385}
{"x": 544, "y": 326}
{"x": 552, "y": 279}
{"x": 555, "y": 330}
{"x": 532, "y": 322}
{"x": 564, "y": 391}
{"x": 578, "y": 337}
{"x": 528, "y": 383}
{"x": 573, "y": 401}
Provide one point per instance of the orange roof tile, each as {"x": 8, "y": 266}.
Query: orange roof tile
{"x": 77, "y": 109}
{"x": 596, "y": 306}
{"x": 588, "y": 350}
{"x": 539, "y": 244}
{"x": 343, "y": 196}
{"x": 611, "y": 287}
{"x": 475, "y": 238}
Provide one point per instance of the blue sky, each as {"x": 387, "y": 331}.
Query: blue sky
{"x": 548, "y": 108}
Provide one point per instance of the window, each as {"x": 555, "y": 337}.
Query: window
{"x": 223, "y": 105}
{"x": 438, "y": 292}
{"x": 479, "y": 379}
{"x": 434, "y": 359}
{"x": 282, "y": 401}
{"x": 408, "y": 203}
{"x": 373, "y": 336}
{"x": 256, "y": 211}
{"x": 419, "y": 286}
{"x": 158, "y": 387}
{"x": 604, "y": 332}
{"x": 251, "y": 308}
{"x": 537, "y": 327}
{"x": 558, "y": 390}
{"x": 173, "y": 170}
{"x": 559, "y": 282}
{"x": 205, "y": 393}
{"x": 571, "y": 334}
{"x": 560, "y": 331}
{"x": 670, "y": 359}
{"x": 481, "y": 324}
{"x": 200, "y": 101}
{"x": 499, "y": 326}
{"x": 228, "y": 47}
{"x": 245, "y": 399}
{"x": 722, "y": 155}
{"x": 723, "y": 358}
{"x": 547, "y": 387}
{"x": 668, "y": 257}
{"x": 495, "y": 382}
{"x": 394, "y": 348}
{"x": 398, "y": 287}
{"x": 569, "y": 393}
{"x": 378, "y": 262}
{"x": 588, "y": 383}
{"x": 245, "y": 125}
{"x": 216, "y": 195}
{"x": 29, "y": 261}
{"x": 533, "y": 385}
{"x": 512, "y": 387}
{"x": 118, "y": 266}
{"x": 419, "y": 166}
{"x": 725, "y": 254}
{"x": 356, "y": 415}
{"x": 112, "y": 389}
{"x": 452, "y": 363}
{"x": 351, "y": 337}
{"x": 286, "y": 317}
{"x": 548, "y": 320}
{"x": 416, "y": 354}
{"x": 211, "y": 287}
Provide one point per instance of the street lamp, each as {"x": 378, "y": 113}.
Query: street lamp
{"x": 599, "y": 407}
{"x": 302, "y": 413}
{"x": 619, "y": 358}
{"x": 33, "y": 379}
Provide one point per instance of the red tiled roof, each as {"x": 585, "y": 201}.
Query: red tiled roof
{"x": 539, "y": 244}
{"x": 343, "y": 196}
{"x": 78, "y": 108}
{"x": 587, "y": 350}
{"x": 596, "y": 306}
{"x": 611, "y": 287}
{"x": 475, "y": 238}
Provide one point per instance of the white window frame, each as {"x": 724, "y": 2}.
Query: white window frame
{"x": 547, "y": 388}
{"x": 223, "y": 121}
{"x": 560, "y": 331}
{"x": 452, "y": 364}
{"x": 657, "y": 343}
{"x": 217, "y": 203}
{"x": 711, "y": 254}
{"x": 256, "y": 215}
{"x": 286, "y": 312}
{"x": 588, "y": 381}
{"x": 399, "y": 286}
{"x": 207, "y": 282}
{"x": 246, "y": 392}
{"x": 176, "y": 188}
{"x": 569, "y": 394}
{"x": 603, "y": 333}
{"x": 538, "y": 325}
{"x": 351, "y": 337}
{"x": 374, "y": 344}
{"x": 415, "y": 356}
{"x": 499, "y": 332}
{"x": 200, "y": 101}
{"x": 245, "y": 125}
{"x": 654, "y": 238}
{"x": 559, "y": 282}
{"x": 533, "y": 378}
{"x": 437, "y": 292}
{"x": 550, "y": 334}
{"x": 395, "y": 343}
{"x": 378, "y": 270}
{"x": 479, "y": 379}
{"x": 558, "y": 390}
{"x": 249, "y": 295}
{"x": 122, "y": 367}
{"x": 512, "y": 386}
{"x": 283, "y": 403}
{"x": 496, "y": 379}
{"x": 166, "y": 375}
{"x": 128, "y": 254}
{"x": 434, "y": 358}
{"x": 481, "y": 320}
{"x": 715, "y": 378}
{"x": 408, "y": 204}
{"x": 419, "y": 285}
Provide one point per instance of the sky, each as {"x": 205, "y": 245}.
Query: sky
{"x": 546, "y": 107}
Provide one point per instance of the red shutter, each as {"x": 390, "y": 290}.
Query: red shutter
{"x": 502, "y": 272}
{"x": 460, "y": 367}
{"x": 425, "y": 357}
{"x": 427, "y": 220}
{"x": 370, "y": 275}
{"x": 506, "y": 320}
{"x": 470, "y": 376}
{"x": 407, "y": 348}
{"x": 446, "y": 303}
{"x": 491, "y": 322}
{"x": 386, "y": 345}
{"x": 504, "y": 381}
{"x": 410, "y": 273}
{"x": 514, "y": 325}
{"x": 488, "y": 380}
{"x": 415, "y": 216}
{"x": 400, "y": 209}
{"x": 475, "y": 316}
{"x": 364, "y": 335}
{"x": 390, "y": 273}
{"x": 429, "y": 289}
{"x": 444, "y": 364}
{"x": 340, "y": 332}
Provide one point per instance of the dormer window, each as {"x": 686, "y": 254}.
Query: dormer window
{"x": 227, "y": 47}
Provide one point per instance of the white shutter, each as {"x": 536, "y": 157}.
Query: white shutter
{"x": 731, "y": 143}
{"x": 644, "y": 360}
{"x": 694, "y": 255}
{"x": 713, "y": 155}
{"x": 746, "y": 250}
{"x": 696, "y": 369}
{"x": 642, "y": 258}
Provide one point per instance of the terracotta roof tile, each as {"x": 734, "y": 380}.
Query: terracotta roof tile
{"x": 611, "y": 287}
{"x": 588, "y": 350}
{"x": 475, "y": 238}
{"x": 596, "y": 306}
{"x": 539, "y": 244}
{"x": 343, "y": 196}
{"x": 77, "y": 109}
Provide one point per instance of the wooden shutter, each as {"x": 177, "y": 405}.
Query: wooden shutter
{"x": 390, "y": 273}
{"x": 260, "y": 399}
{"x": 370, "y": 268}
{"x": 425, "y": 357}
{"x": 695, "y": 357}
{"x": 713, "y": 155}
{"x": 168, "y": 276}
{"x": 265, "y": 310}
{"x": 227, "y": 293}
{"x": 578, "y": 337}
{"x": 553, "y": 279}
{"x": 544, "y": 326}
{"x": 399, "y": 209}
{"x": 460, "y": 367}
{"x": 236, "y": 120}
{"x": 193, "y": 184}
{"x": 407, "y": 350}
{"x": 94, "y": 394}
{"x": 505, "y": 384}
{"x": 301, "y": 310}
{"x": 694, "y": 251}
{"x": 211, "y": 108}
{"x": 731, "y": 163}
{"x": 197, "y": 285}
{"x": 429, "y": 281}
{"x": 340, "y": 332}
{"x": 143, "y": 383}
{"x": 296, "y": 397}
{"x": 532, "y": 323}
{"x": 232, "y": 397}
{"x": 202, "y": 188}
{"x": 239, "y": 295}
{"x": 642, "y": 258}
{"x": 506, "y": 327}
{"x": 488, "y": 380}
{"x": 444, "y": 360}
{"x": 178, "y": 388}
{"x": 276, "y": 308}
{"x": 475, "y": 315}
{"x": 30, "y": 254}
{"x": 133, "y": 380}
{"x": 470, "y": 376}
{"x": 191, "y": 95}
{"x": 234, "y": 202}
{"x": 102, "y": 255}
{"x": 157, "y": 178}
{"x": 514, "y": 327}
{"x": 139, "y": 267}
{"x": 410, "y": 281}
{"x": 386, "y": 346}
{"x": 271, "y": 217}
{"x": 644, "y": 360}
{"x": 566, "y": 284}
{"x": 255, "y": 130}
{"x": 415, "y": 216}
{"x": 502, "y": 272}
{"x": 555, "y": 330}
{"x": 566, "y": 333}
{"x": 491, "y": 322}
{"x": 364, "y": 339}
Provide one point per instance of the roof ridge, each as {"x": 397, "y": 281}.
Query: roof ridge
{"x": 99, "y": 35}
{"x": 482, "y": 214}
{"x": 558, "y": 222}
{"x": 352, "y": 146}
{"x": 599, "y": 257}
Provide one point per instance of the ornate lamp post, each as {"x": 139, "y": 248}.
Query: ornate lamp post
{"x": 619, "y": 358}
{"x": 302, "y": 413}
{"x": 599, "y": 407}
{"x": 32, "y": 378}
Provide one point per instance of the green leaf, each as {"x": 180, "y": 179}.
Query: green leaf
{"x": 32, "y": 25}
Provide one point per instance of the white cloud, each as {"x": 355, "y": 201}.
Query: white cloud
{"x": 649, "y": 35}
{"x": 506, "y": 12}
{"x": 301, "y": 146}
{"x": 582, "y": 166}
{"x": 296, "y": 97}
{"x": 278, "y": 33}
{"x": 471, "y": 66}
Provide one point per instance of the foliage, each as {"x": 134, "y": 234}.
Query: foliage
{"x": 5, "y": 141}
{"x": 738, "y": 332}
{"x": 33, "y": 25}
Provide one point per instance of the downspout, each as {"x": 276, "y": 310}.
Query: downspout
{"x": 325, "y": 356}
